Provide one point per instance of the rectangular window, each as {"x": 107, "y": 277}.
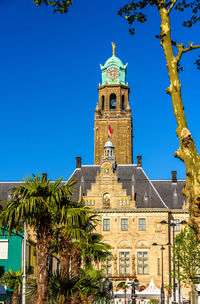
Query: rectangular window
{"x": 177, "y": 227}
{"x": 142, "y": 262}
{"x": 124, "y": 224}
{"x": 3, "y": 249}
{"x": 142, "y": 224}
{"x": 106, "y": 224}
{"x": 106, "y": 266}
{"x": 124, "y": 262}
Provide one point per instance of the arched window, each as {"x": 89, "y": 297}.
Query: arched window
{"x": 113, "y": 101}
{"x": 103, "y": 102}
{"x": 123, "y": 103}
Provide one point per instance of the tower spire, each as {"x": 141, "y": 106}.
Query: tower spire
{"x": 113, "y": 48}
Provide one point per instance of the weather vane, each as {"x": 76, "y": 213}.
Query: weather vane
{"x": 113, "y": 47}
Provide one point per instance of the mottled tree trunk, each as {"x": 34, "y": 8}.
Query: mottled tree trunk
{"x": 43, "y": 248}
{"x": 187, "y": 151}
{"x": 75, "y": 270}
{"x": 15, "y": 296}
{"x": 64, "y": 256}
{"x": 91, "y": 297}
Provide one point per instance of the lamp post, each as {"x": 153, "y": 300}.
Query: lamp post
{"x": 162, "y": 295}
{"x": 135, "y": 285}
{"x": 173, "y": 225}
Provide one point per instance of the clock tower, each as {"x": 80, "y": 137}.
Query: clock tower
{"x": 113, "y": 109}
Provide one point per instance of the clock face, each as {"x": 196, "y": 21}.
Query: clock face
{"x": 113, "y": 73}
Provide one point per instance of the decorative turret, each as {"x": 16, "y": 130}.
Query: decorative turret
{"x": 109, "y": 152}
{"x": 113, "y": 71}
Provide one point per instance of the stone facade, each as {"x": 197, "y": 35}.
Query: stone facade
{"x": 131, "y": 207}
{"x": 120, "y": 120}
{"x": 113, "y": 105}
{"x": 129, "y": 230}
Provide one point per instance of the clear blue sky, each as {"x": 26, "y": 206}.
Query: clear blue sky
{"x": 49, "y": 74}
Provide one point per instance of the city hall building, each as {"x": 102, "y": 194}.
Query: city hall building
{"x": 130, "y": 205}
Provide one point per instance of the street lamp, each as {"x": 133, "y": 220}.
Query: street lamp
{"x": 173, "y": 225}
{"x": 162, "y": 282}
{"x": 135, "y": 285}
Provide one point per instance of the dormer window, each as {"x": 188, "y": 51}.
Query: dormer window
{"x": 113, "y": 101}
{"x": 103, "y": 101}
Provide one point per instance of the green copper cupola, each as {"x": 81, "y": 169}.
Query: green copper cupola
{"x": 113, "y": 71}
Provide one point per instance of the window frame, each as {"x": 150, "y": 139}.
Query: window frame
{"x": 106, "y": 225}
{"x": 124, "y": 265}
{"x": 110, "y": 100}
{"x": 107, "y": 264}
{"x": 124, "y": 227}
{"x": 177, "y": 227}
{"x": 143, "y": 264}
{"x": 142, "y": 226}
{"x": 103, "y": 102}
{"x": 123, "y": 102}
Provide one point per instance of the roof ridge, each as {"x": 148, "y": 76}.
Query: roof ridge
{"x": 155, "y": 190}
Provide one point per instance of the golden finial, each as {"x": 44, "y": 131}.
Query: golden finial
{"x": 113, "y": 47}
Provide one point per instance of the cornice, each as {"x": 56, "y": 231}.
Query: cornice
{"x": 142, "y": 210}
{"x": 113, "y": 86}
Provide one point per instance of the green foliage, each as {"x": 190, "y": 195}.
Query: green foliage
{"x": 60, "y": 6}
{"x": 63, "y": 285}
{"x": 187, "y": 256}
{"x": 125, "y": 287}
{"x": 31, "y": 289}
{"x": 194, "y": 7}
{"x": 198, "y": 63}
{"x": 90, "y": 280}
{"x": 11, "y": 278}
{"x": 41, "y": 203}
{"x": 133, "y": 10}
{"x": 154, "y": 301}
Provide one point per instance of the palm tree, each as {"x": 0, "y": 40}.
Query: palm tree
{"x": 62, "y": 286}
{"x": 87, "y": 249}
{"x": 125, "y": 287}
{"x": 12, "y": 280}
{"x": 42, "y": 204}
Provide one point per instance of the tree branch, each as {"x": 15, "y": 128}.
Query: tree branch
{"x": 182, "y": 49}
{"x": 171, "y": 6}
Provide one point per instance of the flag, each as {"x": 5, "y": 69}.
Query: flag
{"x": 110, "y": 130}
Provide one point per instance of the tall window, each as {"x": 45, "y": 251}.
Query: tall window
{"x": 106, "y": 266}
{"x": 142, "y": 262}
{"x": 113, "y": 101}
{"x": 142, "y": 224}
{"x": 123, "y": 104}
{"x": 106, "y": 224}
{"x": 124, "y": 224}
{"x": 124, "y": 262}
{"x": 177, "y": 227}
{"x": 103, "y": 100}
